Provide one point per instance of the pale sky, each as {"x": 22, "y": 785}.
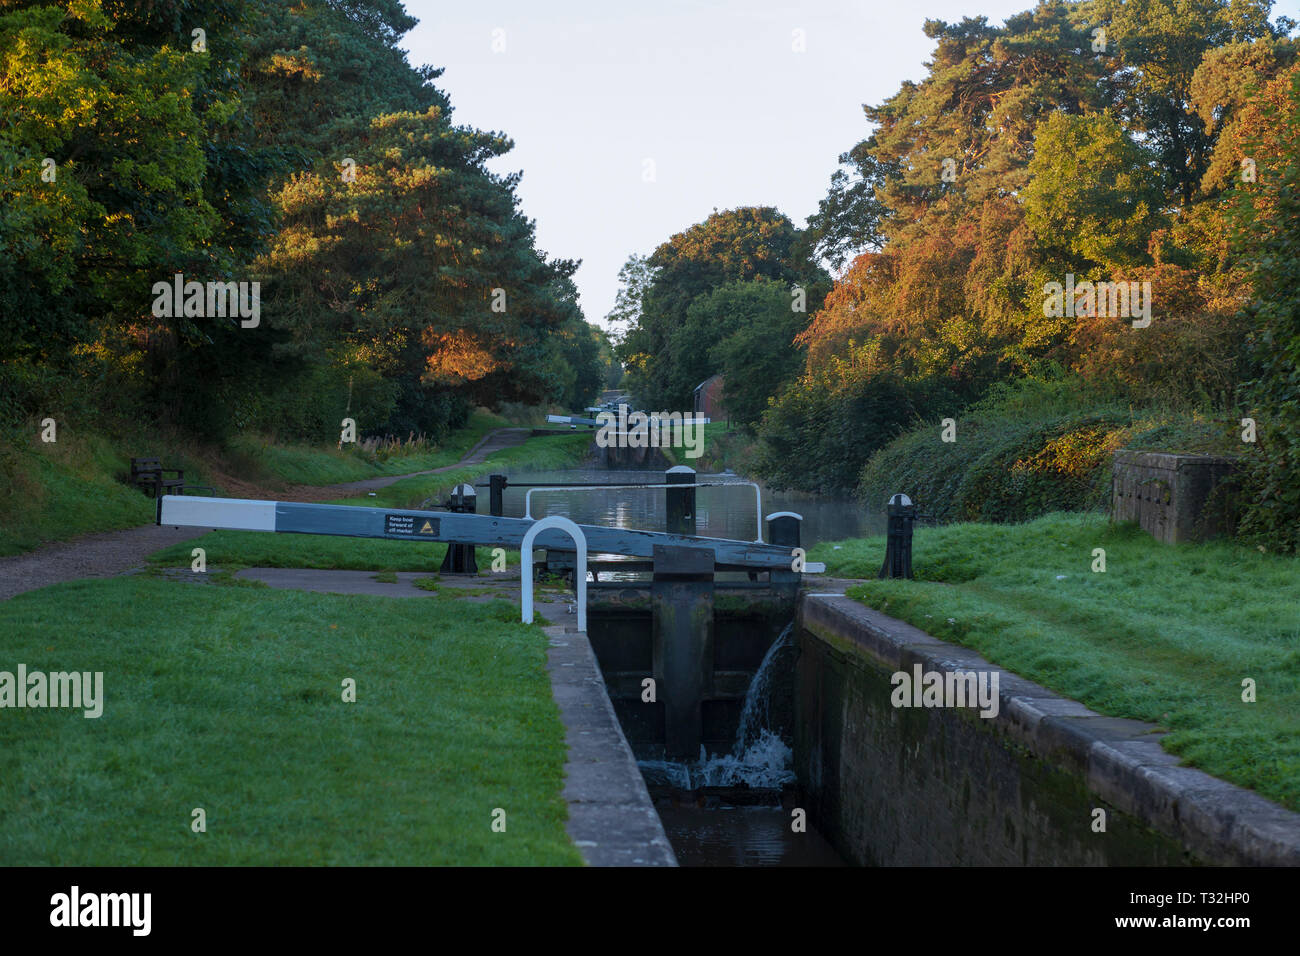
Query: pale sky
{"x": 711, "y": 92}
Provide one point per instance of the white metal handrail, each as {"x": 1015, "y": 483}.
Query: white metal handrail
{"x": 526, "y": 565}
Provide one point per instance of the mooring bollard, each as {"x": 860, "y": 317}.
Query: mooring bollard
{"x": 680, "y": 501}
{"x": 783, "y": 529}
{"x": 898, "y": 547}
{"x": 460, "y": 557}
{"x": 496, "y": 495}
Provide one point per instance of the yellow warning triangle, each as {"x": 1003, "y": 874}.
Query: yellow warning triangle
{"x": 427, "y": 529}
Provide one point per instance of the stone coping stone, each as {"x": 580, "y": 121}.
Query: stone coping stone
{"x": 612, "y": 820}
{"x": 1121, "y": 760}
{"x": 1170, "y": 460}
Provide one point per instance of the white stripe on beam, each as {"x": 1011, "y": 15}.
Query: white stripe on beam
{"x": 232, "y": 513}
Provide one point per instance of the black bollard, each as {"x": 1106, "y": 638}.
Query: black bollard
{"x": 460, "y": 557}
{"x": 898, "y": 549}
{"x": 783, "y": 528}
{"x": 680, "y": 501}
{"x": 496, "y": 495}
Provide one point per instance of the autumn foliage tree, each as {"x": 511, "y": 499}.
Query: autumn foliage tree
{"x": 287, "y": 144}
{"x": 1098, "y": 139}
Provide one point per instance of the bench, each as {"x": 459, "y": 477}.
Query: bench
{"x": 150, "y": 476}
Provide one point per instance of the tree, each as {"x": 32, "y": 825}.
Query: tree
{"x": 398, "y": 247}
{"x": 635, "y": 278}
{"x": 1267, "y": 228}
{"x": 733, "y": 245}
{"x": 1093, "y": 194}
{"x": 1159, "y": 45}
{"x": 120, "y": 200}
{"x": 851, "y": 218}
{"x": 755, "y": 350}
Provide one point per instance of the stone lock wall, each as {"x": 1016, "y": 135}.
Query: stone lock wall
{"x": 943, "y": 786}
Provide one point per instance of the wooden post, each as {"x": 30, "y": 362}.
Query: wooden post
{"x": 682, "y": 601}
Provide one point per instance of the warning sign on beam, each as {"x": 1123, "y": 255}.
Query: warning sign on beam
{"x": 410, "y": 524}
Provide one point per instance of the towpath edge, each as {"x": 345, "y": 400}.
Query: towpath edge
{"x": 612, "y": 819}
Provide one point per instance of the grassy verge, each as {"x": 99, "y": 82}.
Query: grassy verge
{"x": 723, "y": 447}
{"x": 311, "y": 465}
{"x": 1165, "y": 634}
{"x": 52, "y": 492}
{"x": 245, "y": 549}
{"x": 229, "y": 699}
{"x": 56, "y": 491}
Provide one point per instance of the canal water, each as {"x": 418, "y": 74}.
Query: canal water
{"x": 723, "y": 512}
{"x": 737, "y": 808}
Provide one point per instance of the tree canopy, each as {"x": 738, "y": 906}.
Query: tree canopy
{"x": 291, "y": 145}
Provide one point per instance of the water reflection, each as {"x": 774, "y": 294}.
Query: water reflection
{"x": 741, "y": 836}
{"x": 724, "y": 512}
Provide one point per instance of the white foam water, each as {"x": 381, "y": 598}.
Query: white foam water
{"x": 759, "y": 759}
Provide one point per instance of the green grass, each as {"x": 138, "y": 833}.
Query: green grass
{"x": 63, "y": 489}
{"x": 543, "y": 453}
{"x": 312, "y": 465}
{"x": 52, "y": 492}
{"x": 248, "y": 549}
{"x": 230, "y": 699}
{"x": 232, "y": 550}
{"x": 723, "y": 446}
{"x": 1166, "y": 634}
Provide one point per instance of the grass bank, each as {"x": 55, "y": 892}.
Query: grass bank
{"x": 229, "y": 698}
{"x": 724, "y": 447}
{"x": 52, "y": 492}
{"x": 312, "y": 465}
{"x": 1165, "y": 634}
{"x": 60, "y": 490}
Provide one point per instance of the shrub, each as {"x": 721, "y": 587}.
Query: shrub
{"x": 1028, "y": 449}
{"x": 818, "y": 433}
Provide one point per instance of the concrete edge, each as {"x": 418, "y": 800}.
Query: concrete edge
{"x": 612, "y": 819}
{"x": 1121, "y": 761}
